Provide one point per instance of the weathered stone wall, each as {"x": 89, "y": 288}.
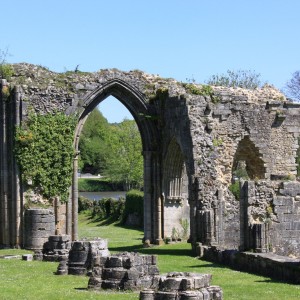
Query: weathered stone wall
{"x": 192, "y": 140}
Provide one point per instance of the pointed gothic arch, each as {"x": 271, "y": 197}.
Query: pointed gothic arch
{"x": 134, "y": 101}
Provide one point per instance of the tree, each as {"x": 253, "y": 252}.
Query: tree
{"x": 6, "y": 70}
{"x": 292, "y": 87}
{"x": 124, "y": 161}
{"x": 241, "y": 78}
{"x": 92, "y": 143}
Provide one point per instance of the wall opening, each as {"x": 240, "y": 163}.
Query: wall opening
{"x": 247, "y": 161}
{"x": 175, "y": 190}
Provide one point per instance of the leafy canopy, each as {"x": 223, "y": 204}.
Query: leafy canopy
{"x": 113, "y": 150}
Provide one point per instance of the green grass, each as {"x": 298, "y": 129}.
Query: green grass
{"x": 35, "y": 280}
{"x": 97, "y": 185}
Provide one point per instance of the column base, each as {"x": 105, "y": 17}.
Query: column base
{"x": 159, "y": 242}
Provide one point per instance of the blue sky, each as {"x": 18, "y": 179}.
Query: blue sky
{"x": 191, "y": 39}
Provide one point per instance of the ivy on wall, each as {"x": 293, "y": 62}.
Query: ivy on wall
{"x": 44, "y": 151}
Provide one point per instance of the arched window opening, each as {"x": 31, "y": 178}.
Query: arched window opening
{"x": 247, "y": 161}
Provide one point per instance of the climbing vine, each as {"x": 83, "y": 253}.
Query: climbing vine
{"x": 44, "y": 151}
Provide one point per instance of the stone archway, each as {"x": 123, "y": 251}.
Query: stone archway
{"x": 134, "y": 101}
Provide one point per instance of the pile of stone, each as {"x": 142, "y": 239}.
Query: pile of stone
{"x": 85, "y": 255}
{"x": 183, "y": 286}
{"x": 57, "y": 248}
{"x": 125, "y": 271}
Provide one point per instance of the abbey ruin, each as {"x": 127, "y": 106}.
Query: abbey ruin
{"x": 198, "y": 141}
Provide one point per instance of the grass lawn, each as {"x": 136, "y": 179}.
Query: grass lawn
{"x": 35, "y": 280}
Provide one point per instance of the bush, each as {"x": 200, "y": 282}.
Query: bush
{"x": 84, "y": 204}
{"x": 235, "y": 189}
{"x": 134, "y": 204}
{"x": 108, "y": 208}
{"x": 241, "y": 78}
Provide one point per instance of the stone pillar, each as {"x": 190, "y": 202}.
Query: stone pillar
{"x": 4, "y": 221}
{"x": 156, "y": 178}
{"x": 16, "y": 207}
{"x": 148, "y": 190}
{"x": 75, "y": 198}
{"x": 247, "y": 189}
{"x": 69, "y": 214}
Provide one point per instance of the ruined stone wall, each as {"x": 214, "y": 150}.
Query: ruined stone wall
{"x": 214, "y": 132}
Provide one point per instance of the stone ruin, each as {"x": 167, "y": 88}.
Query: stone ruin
{"x": 195, "y": 140}
{"x": 132, "y": 271}
{"x": 125, "y": 271}
{"x": 183, "y": 286}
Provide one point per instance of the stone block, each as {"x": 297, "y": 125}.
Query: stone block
{"x": 27, "y": 257}
{"x": 147, "y": 295}
{"x": 170, "y": 284}
{"x": 215, "y": 292}
{"x": 114, "y": 262}
{"x": 187, "y": 284}
{"x": 114, "y": 273}
{"x": 153, "y": 270}
{"x": 133, "y": 274}
{"x": 163, "y": 295}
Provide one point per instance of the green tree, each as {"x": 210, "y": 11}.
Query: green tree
{"x": 241, "y": 78}
{"x": 92, "y": 143}
{"x": 124, "y": 161}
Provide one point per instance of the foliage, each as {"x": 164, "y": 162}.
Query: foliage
{"x": 134, "y": 204}
{"x": 84, "y": 204}
{"x": 112, "y": 209}
{"x": 109, "y": 209}
{"x": 217, "y": 142}
{"x": 124, "y": 161}
{"x": 235, "y": 189}
{"x": 241, "y": 78}
{"x": 292, "y": 87}
{"x": 204, "y": 90}
{"x": 161, "y": 94}
{"x": 92, "y": 143}
{"x": 44, "y": 151}
{"x": 97, "y": 185}
{"x": 113, "y": 150}
{"x": 6, "y": 70}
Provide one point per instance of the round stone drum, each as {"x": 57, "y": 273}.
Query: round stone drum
{"x": 39, "y": 225}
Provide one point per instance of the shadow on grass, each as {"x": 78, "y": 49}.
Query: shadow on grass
{"x": 153, "y": 251}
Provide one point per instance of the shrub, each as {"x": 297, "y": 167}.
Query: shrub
{"x": 134, "y": 204}
{"x": 108, "y": 208}
{"x": 235, "y": 189}
{"x": 241, "y": 78}
{"x": 84, "y": 204}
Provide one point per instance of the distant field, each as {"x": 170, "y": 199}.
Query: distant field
{"x": 35, "y": 280}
